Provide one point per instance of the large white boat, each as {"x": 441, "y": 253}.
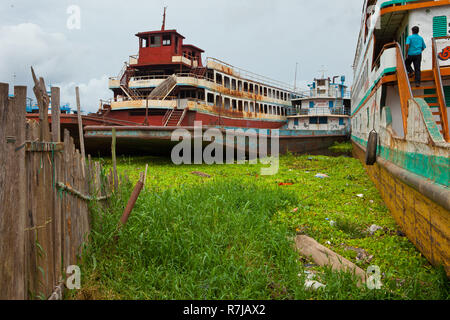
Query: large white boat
{"x": 399, "y": 130}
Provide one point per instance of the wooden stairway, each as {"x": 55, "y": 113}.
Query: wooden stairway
{"x": 174, "y": 117}
{"x": 433, "y": 102}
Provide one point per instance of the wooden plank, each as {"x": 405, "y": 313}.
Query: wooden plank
{"x": 323, "y": 256}
{"x": 114, "y": 160}
{"x": 12, "y": 195}
{"x": 80, "y": 130}
{"x": 56, "y": 115}
{"x": 57, "y": 162}
{"x": 66, "y": 202}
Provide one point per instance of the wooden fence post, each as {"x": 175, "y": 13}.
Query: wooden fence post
{"x": 12, "y": 193}
{"x": 80, "y": 131}
{"x": 114, "y": 160}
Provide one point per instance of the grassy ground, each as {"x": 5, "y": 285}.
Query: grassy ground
{"x": 231, "y": 236}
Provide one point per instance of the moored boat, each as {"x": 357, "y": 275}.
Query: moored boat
{"x": 399, "y": 130}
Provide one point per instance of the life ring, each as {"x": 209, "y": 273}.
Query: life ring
{"x": 371, "y": 150}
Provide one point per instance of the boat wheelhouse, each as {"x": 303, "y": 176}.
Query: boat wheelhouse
{"x": 404, "y": 128}
{"x": 326, "y": 106}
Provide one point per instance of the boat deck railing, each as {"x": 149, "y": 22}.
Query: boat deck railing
{"x": 340, "y": 111}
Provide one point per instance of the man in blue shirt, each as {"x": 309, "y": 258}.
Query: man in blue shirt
{"x": 414, "y": 48}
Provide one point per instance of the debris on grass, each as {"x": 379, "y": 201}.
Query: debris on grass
{"x": 201, "y": 174}
{"x": 321, "y": 176}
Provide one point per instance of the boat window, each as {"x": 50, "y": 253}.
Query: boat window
{"x": 323, "y": 120}
{"x": 257, "y": 108}
{"x": 311, "y": 104}
{"x": 167, "y": 40}
{"x": 245, "y": 86}
{"x": 240, "y": 105}
{"x": 176, "y": 45}
{"x": 227, "y": 82}
{"x": 313, "y": 120}
{"x": 252, "y": 108}
{"x": 155, "y": 41}
{"x": 251, "y": 88}
{"x": 270, "y": 93}
{"x": 320, "y": 83}
{"x": 246, "y": 106}
{"x": 210, "y": 98}
{"x": 227, "y": 103}
{"x": 233, "y": 84}
{"x": 265, "y": 91}
{"x": 145, "y": 43}
{"x": 256, "y": 89}
{"x": 218, "y": 78}
{"x": 341, "y": 121}
{"x": 278, "y": 94}
{"x": 218, "y": 101}
{"x": 240, "y": 85}
{"x": 234, "y": 104}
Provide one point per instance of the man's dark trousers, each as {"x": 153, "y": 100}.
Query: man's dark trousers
{"x": 417, "y": 61}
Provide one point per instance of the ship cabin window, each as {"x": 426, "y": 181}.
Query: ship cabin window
{"x": 264, "y": 109}
{"x": 167, "y": 40}
{"x": 246, "y": 106}
{"x": 313, "y": 120}
{"x": 227, "y": 82}
{"x": 211, "y": 98}
{"x": 233, "y": 84}
{"x": 256, "y": 89}
{"x": 234, "y": 104}
{"x": 218, "y": 78}
{"x": 270, "y": 93}
{"x": 251, "y": 88}
{"x": 176, "y": 45}
{"x": 155, "y": 41}
{"x": 311, "y": 104}
{"x": 218, "y": 101}
{"x": 265, "y": 91}
{"x": 252, "y": 107}
{"x": 144, "y": 42}
{"x": 240, "y": 85}
{"x": 341, "y": 121}
{"x": 227, "y": 103}
{"x": 278, "y": 94}
{"x": 257, "y": 108}
{"x": 240, "y": 105}
{"x": 320, "y": 83}
{"x": 245, "y": 87}
{"x": 323, "y": 120}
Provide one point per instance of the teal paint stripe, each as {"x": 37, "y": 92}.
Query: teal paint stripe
{"x": 363, "y": 100}
{"x": 430, "y": 167}
{"x": 389, "y": 3}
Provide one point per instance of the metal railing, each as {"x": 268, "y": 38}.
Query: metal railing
{"x": 320, "y": 112}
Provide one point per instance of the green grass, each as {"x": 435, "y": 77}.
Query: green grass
{"x": 231, "y": 236}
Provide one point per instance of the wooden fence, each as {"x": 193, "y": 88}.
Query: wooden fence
{"x": 45, "y": 189}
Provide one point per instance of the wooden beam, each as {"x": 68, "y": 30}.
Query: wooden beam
{"x": 412, "y": 6}
{"x": 56, "y": 115}
{"x": 80, "y": 131}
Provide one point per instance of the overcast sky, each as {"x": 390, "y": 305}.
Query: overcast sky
{"x": 262, "y": 36}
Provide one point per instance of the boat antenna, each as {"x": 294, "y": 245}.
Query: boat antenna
{"x": 295, "y": 80}
{"x": 164, "y": 20}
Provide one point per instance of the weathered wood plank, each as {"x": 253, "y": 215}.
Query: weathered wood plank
{"x": 80, "y": 130}
{"x": 12, "y": 209}
{"x": 56, "y": 114}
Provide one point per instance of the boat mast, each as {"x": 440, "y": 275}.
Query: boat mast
{"x": 164, "y": 20}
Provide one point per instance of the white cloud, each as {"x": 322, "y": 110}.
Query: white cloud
{"x": 90, "y": 93}
{"x": 53, "y": 57}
